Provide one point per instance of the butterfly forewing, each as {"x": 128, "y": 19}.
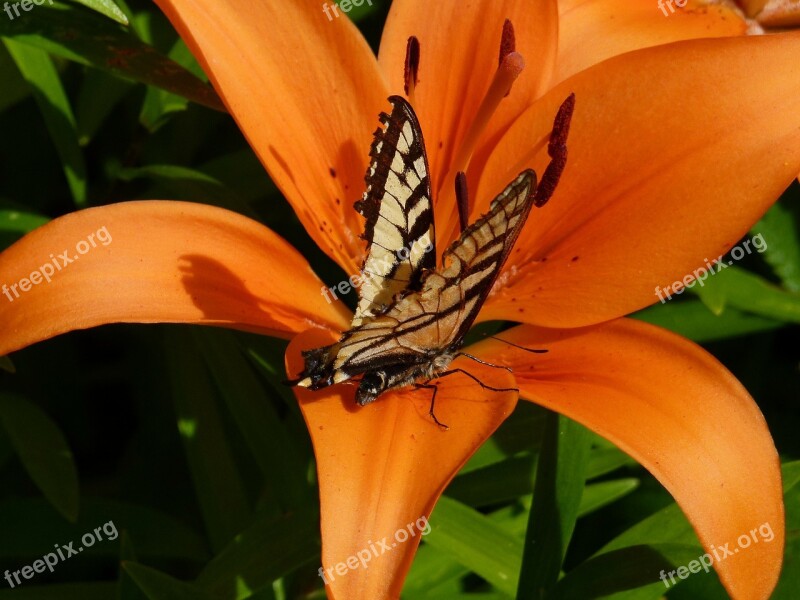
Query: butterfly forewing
{"x": 397, "y": 206}
{"x": 435, "y": 319}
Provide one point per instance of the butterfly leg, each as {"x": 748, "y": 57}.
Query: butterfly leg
{"x": 435, "y": 389}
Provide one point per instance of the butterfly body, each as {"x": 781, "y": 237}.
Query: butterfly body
{"x": 411, "y": 320}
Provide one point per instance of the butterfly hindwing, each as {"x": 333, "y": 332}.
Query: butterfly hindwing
{"x": 397, "y": 205}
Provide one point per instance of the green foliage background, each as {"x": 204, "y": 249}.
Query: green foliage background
{"x": 186, "y": 439}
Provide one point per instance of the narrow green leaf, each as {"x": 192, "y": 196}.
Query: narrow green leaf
{"x": 62, "y": 591}
{"x": 156, "y": 536}
{"x": 560, "y": 479}
{"x": 91, "y": 39}
{"x": 603, "y": 461}
{"x": 159, "y": 104}
{"x": 107, "y": 8}
{"x": 38, "y": 70}
{"x": 98, "y": 95}
{"x": 217, "y": 481}
{"x": 160, "y": 586}
{"x": 127, "y": 589}
{"x": 791, "y": 474}
{"x": 43, "y": 451}
{"x": 696, "y": 322}
{"x": 20, "y": 221}
{"x": 14, "y": 88}
{"x": 625, "y": 569}
{"x": 499, "y": 482}
{"x": 7, "y": 365}
{"x": 780, "y": 231}
{"x": 598, "y": 495}
{"x": 743, "y": 290}
{"x": 268, "y": 549}
{"x": 187, "y": 183}
{"x": 255, "y": 415}
{"x": 476, "y": 542}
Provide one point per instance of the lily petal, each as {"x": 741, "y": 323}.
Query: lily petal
{"x": 156, "y": 262}
{"x": 451, "y": 89}
{"x": 382, "y": 467}
{"x": 681, "y": 414}
{"x": 590, "y": 32}
{"x": 306, "y": 91}
{"x": 664, "y": 174}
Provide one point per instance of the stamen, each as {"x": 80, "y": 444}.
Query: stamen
{"x": 510, "y": 68}
{"x": 508, "y": 42}
{"x": 557, "y": 149}
{"x": 462, "y": 199}
{"x": 411, "y": 70}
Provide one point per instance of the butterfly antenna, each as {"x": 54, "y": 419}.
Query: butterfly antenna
{"x": 557, "y": 149}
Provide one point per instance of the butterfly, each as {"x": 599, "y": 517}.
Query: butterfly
{"x": 412, "y": 316}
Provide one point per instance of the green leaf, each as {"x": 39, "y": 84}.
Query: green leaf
{"x": 694, "y": 321}
{"x": 743, "y": 290}
{"x": 62, "y": 591}
{"x": 43, "y": 451}
{"x": 160, "y": 586}
{"x": 268, "y": 549}
{"x": 14, "y": 88}
{"x": 498, "y": 482}
{"x": 159, "y": 104}
{"x": 255, "y": 414}
{"x": 20, "y": 221}
{"x": 97, "y": 97}
{"x": 107, "y": 8}
{"x": 629, "y": 568}
{"x": 560, "y": 479}
{"x": 779, "y": 231}
{"x": 790, "y": 473}
{"x": 127, "y": 590}
{"x": 217, "y": 481}
{"x": 38, "y": 70}
{"x": 7, "y": 365}
{"x": 91, "y": 39}
{"x": 156, "y": 536}
{"x": 476, "y": 542}
{"x": 188, "y": 183}
{"x": 598, "y": 495}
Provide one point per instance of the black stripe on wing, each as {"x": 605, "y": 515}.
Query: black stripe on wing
{"x": 397, "y": 205}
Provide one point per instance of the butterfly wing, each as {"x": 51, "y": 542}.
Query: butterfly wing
{"x": 398, "y": 209}
{"x": 434, "y": 320}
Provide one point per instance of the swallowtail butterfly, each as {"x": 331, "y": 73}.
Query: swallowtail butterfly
{"x": 412, "y": 316}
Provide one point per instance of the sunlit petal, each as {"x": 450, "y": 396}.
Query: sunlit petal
{"x": 383, "y": 466}
{"x": 306, "y": 91}
{"x": 156, "y": 262}
{"x": 681, "y": 414}
{"x": 664, "y": 174}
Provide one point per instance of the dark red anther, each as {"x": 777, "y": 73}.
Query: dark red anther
{"x": 411, "y": 71}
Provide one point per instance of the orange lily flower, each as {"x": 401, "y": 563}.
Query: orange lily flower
{"x": 676, "y": 149}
